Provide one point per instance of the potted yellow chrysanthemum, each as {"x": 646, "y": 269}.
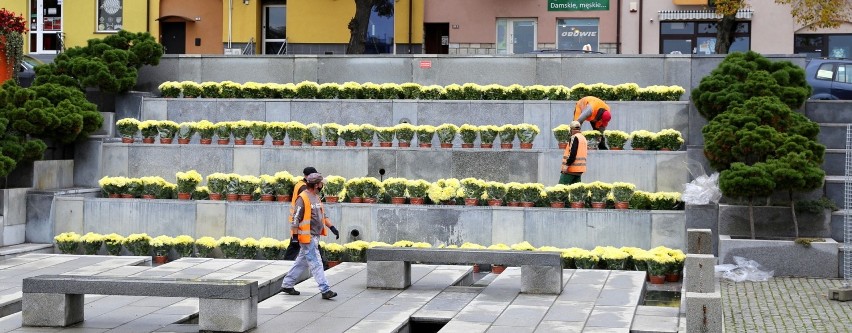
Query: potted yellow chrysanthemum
{"x": 187, "y": 181}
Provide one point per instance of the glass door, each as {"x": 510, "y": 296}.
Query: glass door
{"x": 274, "y": 29}
{"x": 516, "y": 36}
{"x": 45, "y": 26}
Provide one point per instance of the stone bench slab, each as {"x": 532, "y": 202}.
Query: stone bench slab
{"x": 464, "y": 256}
{"x": 139, "y": 286}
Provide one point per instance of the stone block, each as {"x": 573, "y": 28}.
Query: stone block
{"x": 106, "y": 216}
{"x": 382, "y": 159}
{"x": 204, "y": 159}
{"x": 700, "y": 273}
{"x": 411, "y": 166}
{"x": 39, "y": 227}
{"x": 832, "y": 135}
{"x": 611, "y": 227}
{"x": 404, "y": 110}
{"x": 87, "y": 161}
{"x": 459, "y": 70}
{"x": 53, "y": 174}
{"x": 107, "y": 125}
{"x": 115, "y": 160}
{"x": 671, "y": 171}
{"x": 167, "y": 217}
{"x": 14, "y": 234}
{"x": 154, "y": 159}
{"x": 388, "y": 274}
{"x": 227, "y": 315}
{"x": 210, "y": 219}
{"x": 519, "y": 166}
{"x": 772, "y": 222}
{"x": 541, "y": 279}
{"x": 247, "y": 160}
{"x": 668, "y": 228}
{"x": 548, "y": 69}
{"x": 822, "y": 111}
{"x": 278, "y": 111}
{"x": 130, "y": 104}
{"x": 442, "y": 226}
{"x": 248, "y": 219}
{"x": 71, "y": 211}
{"x": 636, "y": 167}
{"x": 704, "y": 217}
{"x": 704, "y": 312}
{"x": 54, "y": 310}
{"x": 349, "y": 217}
{"x": 14, "y": 205}
{"x": 696, "y": 122}
{"x": 538, "y": 113}
{"x": 377, "y": 69}
{"x": 305, "y": 68}
{"x": 785, "y": 257}
{"x": 505, "y": 227}
{"x": 157, "y": 109}
{"x": 699, "y": 241}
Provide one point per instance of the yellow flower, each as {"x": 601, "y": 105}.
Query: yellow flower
{"x": 183, "y": 240}
{"x": 208, "y": 242}
{"x": 472, "y": 246}
{"x": 523, "y": 246}
{"x": 499, "y": 246}
{"x": 67, "y": 237}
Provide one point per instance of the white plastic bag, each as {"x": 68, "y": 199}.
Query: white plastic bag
{"x": 744, "y": 270}
{"x": 703, "y": 189}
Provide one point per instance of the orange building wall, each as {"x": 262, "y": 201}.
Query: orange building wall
{"x": 207, "y": 25}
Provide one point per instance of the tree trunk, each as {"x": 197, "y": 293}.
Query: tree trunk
{"x": 725, "y": 33}
{"x": 751, "y": 217}
{"x": 793, "y": 211}
{"x": 358, "y": 26}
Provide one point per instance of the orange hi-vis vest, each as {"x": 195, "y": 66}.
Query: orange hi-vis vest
{"x": 579, "y": 165}
{"x": 296, "y": 194}
{"x": 304, "y": 231}
{"x": 596, "y": 104}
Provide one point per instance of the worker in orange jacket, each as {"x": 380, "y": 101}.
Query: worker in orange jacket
{"x": 597, "y": 112}
{"x": 574, "y": 157}
{"x": 293, "y": 248}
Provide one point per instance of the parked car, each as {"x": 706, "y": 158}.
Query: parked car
{"x": 830, "y": 78}
{"x": 26, "y": 73}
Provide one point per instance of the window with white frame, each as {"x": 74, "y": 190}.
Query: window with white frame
{"x": 109, "y": 15}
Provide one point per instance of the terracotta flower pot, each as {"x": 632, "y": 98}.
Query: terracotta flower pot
{"x": 385, "y": 144}
{"x": 184, "y": 196}
{"x": 471, "y": 201}
{"x": 205, "y": 141}
{"x": 497, "y": 269}
{"x": 240, "y": 142}
{"x": 416, "y": 201}
{"x": 495, "y": 202}
{"x": 657, "y": 279}
{"x": 266, "y": 197}
{"x": 366, "y": 143}
{"x": 127, "y": 140}
{"x": 147, "y": 140}
{"x": 424, "y": 145}
{"x": 356, "y": 200}
{"x": 332, "y": 263}
{"x": 277, "y": 142}
{"x": 563, "y": 145}
{"x": 526, "y": 145}
{"x": 598, "y": 205}
{"x": 127, "y": 196}
{"x": 638, "y": 148}
{"x": 467, "y": 145}
{"x": 622, "y": 205}
{"x": 557, "y": 205}
{"x": 370, "y": 200}
{"x": 245, "y": 197}
{"x": 527, "y": 204}
{"x": 506, "y": 145}
{"x": 446, "y": 145}
{"x": 232, "y": 197}
{"x": 223, "y": 141}
{"x": 331, "y": 143}
{"x": 283, "y": 198}
{"x": 513, "y": 204}
{"x": 114, "y": 195}
{"x": 616, "y": 148}
{"x": 296, "y": 143}
{"x": 160, "y": 260}
{"x": 404, "y": 144}
{"x": 182, "y": 141}
{"x": 486, "y": 145}
{"x": 665, "y": 149}
{"x": 672, "y": 277}
{"x": 316, "y": 143}
{"x": 578, "y": 204}
{"x": 398, "y": 200}
{"x": 148, "y": 196}
{"x": 258, "y": 142}
{"x": 350, "y": 143}
{"x": 166, "y": 141}
{"x": 331, "y": 198}
{"x": 448, "y": 202}
{"x": 216, "y": 196}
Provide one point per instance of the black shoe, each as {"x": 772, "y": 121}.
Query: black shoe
{"x": 328, "y": 294}
{"x": 290, "y": 291}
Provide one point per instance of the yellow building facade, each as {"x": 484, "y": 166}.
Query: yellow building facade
{"x": 216, "y": 26}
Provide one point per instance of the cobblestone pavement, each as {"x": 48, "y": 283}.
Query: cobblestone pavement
{"x": 784, "y": 304}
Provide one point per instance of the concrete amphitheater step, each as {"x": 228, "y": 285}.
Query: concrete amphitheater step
{"x": 833, "y": 135}
{"x": 835, "y": 162}
{"x": 829, "y": 111}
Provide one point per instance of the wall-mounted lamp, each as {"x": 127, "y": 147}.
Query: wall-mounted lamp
{"x": 245, "y": 2}
{"x": 198, "y": 18}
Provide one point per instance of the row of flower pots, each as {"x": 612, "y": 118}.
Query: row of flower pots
{"x": 328, "y": 134}
{"x": 468, "y": 91}
{"x": 659, "y": 261}
{"x": 395, "y": 190}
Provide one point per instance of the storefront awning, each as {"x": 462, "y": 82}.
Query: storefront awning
{"x": 688, "y": 15}
{"x": 172, "y": 17}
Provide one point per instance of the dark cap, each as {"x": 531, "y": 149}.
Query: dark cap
{"x": 309, "y": 170}
{"x": 313, "y": 178}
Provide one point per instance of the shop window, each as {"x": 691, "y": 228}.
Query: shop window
{"x": 110, "y": 15}
{"x": 699, "y": 37}
{"x": 379, "y": 34}
{"x": 823, "y": 45}
{"x": 574, "y": 34}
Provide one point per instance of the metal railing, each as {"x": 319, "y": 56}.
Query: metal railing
{"x": 60, "y": 42}
{"x": 249, "y": 49}
{"x": 847, "y": 206}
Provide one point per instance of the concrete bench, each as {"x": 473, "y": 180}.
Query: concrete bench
{"x": 57, "y": 300}
{"x": 390, "y": 268}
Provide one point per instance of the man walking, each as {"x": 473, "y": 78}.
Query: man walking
{"x": 309, "y": 223}
{"x": 293, "y": 248}
{"x": 574, "y": 157}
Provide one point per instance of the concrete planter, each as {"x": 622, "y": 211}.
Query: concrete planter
{"x": 785, "y": 257}
{"x": 772, "y": 222}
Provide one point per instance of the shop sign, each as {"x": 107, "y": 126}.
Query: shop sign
{"x": 576, "y": 5}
